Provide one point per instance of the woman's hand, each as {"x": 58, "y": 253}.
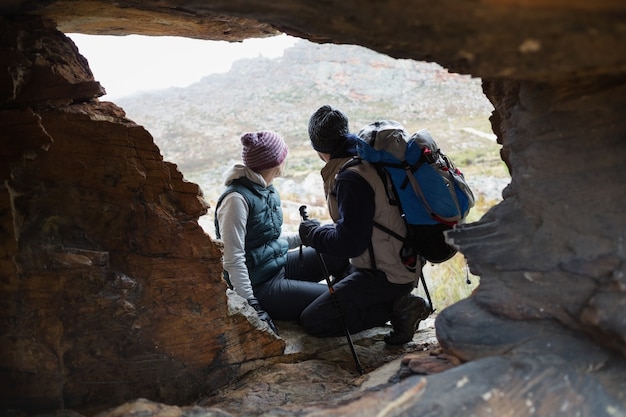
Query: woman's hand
{"x": 254, "y": 303}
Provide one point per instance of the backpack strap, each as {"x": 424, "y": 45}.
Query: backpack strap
{"x": 354, "y": 161}
{"x": 420, "y": 193}
{"x": 372, "y": 258}
{"x": 389, "y": 231}
{"x": 392, "y": 194}
{"x": 411, "y": 169}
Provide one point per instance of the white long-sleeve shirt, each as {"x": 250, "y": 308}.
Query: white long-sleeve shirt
{"x": 232, "y": 216}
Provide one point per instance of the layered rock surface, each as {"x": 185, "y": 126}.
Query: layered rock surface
{"x": 110, "y": 287}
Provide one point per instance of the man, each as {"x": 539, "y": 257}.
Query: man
{"x": 378, "y": 290}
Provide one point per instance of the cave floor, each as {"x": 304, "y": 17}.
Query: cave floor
{"x": 316, "y": 373}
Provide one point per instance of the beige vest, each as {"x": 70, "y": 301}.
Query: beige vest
{"x": 386, "y": 247}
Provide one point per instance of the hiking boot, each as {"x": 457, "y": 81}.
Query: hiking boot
{"x": 406, "y": 315}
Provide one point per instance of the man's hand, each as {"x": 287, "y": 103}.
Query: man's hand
{"x": 306, "y": 226}
{"x": 254, "y": 303}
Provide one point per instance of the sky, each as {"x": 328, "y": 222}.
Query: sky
{"x": 128, "y": 64}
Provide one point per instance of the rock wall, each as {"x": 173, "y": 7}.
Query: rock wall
{"x": 560, "y": 214}
{"x": 550, "y": 313}
{"x": 93, "y": 221}
{"x": 110, "y": 288}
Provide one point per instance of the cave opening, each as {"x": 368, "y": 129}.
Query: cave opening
{"x": 113, "y": 291}
{"x": 275, "y": 83}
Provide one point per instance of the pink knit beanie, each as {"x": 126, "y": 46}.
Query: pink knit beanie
{"x": 263, "y": 150}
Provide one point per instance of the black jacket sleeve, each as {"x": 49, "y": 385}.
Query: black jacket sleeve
{"x": 350, "y": 236}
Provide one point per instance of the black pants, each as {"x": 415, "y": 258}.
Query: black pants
{"x": 365, "y": 298}
{"x": 285, "y": 296}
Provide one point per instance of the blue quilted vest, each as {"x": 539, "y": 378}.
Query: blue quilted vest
{"x": 266, "y": 254}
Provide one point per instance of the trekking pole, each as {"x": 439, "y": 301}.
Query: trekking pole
{"x": 430, "y": 302}
{"x": 432, "y": 308}
{"x": 359, "y": 368}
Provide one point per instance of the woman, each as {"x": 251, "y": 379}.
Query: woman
{"x": 278, "y": 283}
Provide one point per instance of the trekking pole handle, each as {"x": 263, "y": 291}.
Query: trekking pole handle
{"x": 303, "y": 213}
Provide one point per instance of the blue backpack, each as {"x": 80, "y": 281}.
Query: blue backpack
{"x": 422, "y": 182}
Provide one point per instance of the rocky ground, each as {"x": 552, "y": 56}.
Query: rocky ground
{"x": 318, "y": 373}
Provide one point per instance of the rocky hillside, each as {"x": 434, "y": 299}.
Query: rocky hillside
{"x": 198, "y": 127}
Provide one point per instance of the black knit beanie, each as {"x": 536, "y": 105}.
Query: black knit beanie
{"x": 327, "y": 128}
